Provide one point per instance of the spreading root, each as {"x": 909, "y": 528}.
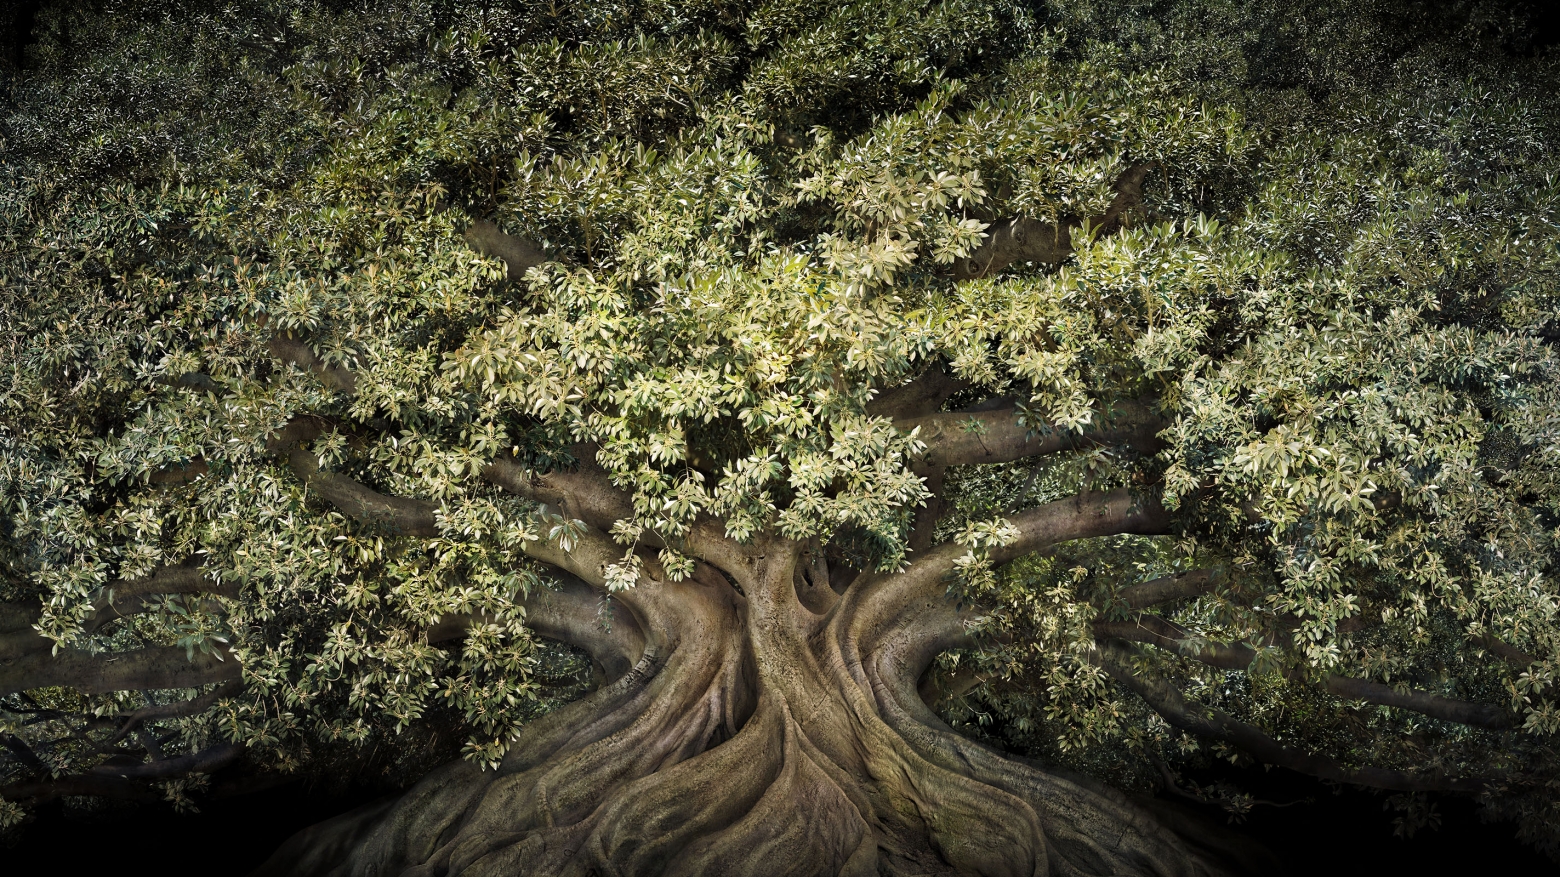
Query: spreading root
{"x": 730, "y": 750}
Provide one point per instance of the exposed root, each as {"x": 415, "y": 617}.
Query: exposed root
{"x": 841, "y": 769}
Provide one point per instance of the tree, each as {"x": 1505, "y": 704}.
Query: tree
{"x": 1108, "y": 383}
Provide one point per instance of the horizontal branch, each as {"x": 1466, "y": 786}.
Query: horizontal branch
{"x": 1180, "y": 586}
{"x": 1166, "y": 634}
{"x": 1481, "y": 715}
{"x": 1506, "y": 651}
{"x": 125, "y": 783}
{"x": 1086, "y": 515}
{"x": 1016, "y": 239}
{"x": 961, "y": 438}
{"x": 1021, "y": 239}
{"x": 925, "y": 394}
{"x": 205, "y": 761}
{"x": 926, "y": 579}
{"x": 126, "y": 597}
{"x": 82, "y": 785}
{"x": 1197, "y": 718}
{"x": 518, "y": 254}
{"x": 410, "y": 517}
{"x": 588, "y": 494}
{"x": 178, "y": 710}
{"x": 119, "y": 599}
{"x": 289, "y": 349}
{"x": 152, "y": 667}
{"x": 180, "y": 474}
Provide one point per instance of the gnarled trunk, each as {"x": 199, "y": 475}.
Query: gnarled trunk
{"x": 774, "y": 729}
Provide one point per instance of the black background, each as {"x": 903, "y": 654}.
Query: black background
{"x": 1340, "y": 833}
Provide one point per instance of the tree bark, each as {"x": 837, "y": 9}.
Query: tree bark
{"x": 752, "y": 735}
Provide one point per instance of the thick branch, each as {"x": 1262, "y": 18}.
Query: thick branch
{"x": 960, "y": 438}
{"x": 1482, "y": 715}
{"x": 180, "y": 474}
{"x": 1197, "y": 718}
{"x": 129, "y": 596}
{"x": 128, "y": 782}
{"x": 152, "y": 667}
{"x": 925, "y": 580}
{"x": 570, "y": 612}
{"x": 85, "y": 785}
{"x": 411, "y": 517}
{"x": 1168, "y": 635}
{"x": 181, "y": 709}
{"x": 587, "y": 494}
{"x": 1021, "y": 239}
{"x": 120, "y": 599}
{"x": 292, "y": 350}
{"x": 1180, "y": 586}
{"x": 1086, "y": 515}
{"x": 923, "y": 395}
{"x": 1506, "y": 651}
{"x": 1018, "y": 239}
{"x": 518, "y": 254}
{"x": 206, "y": 761}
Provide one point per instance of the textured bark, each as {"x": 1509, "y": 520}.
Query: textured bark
{"x": 151, "y": 667}
{"x": 518, "y": 254}
{"x": 289, "y": 349}
{"x": 1022, "y": 239}
{"x": 752, "y": 724}
{"x": 753, "y": 735}
{"x": 964, "y": 438}
{"x": 1177, "y": 587}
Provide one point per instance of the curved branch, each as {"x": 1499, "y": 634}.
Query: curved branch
{"x": 127, "y": 597}
{"x": 1117, "y": 512}
{"x": 411, "y": 517}
{"x": 924, "y": 394}
{"x": 180, "y": 474}
{"x": 588, "y": 494}
{"x": 1180, "y": 586}
{"x": 1017, "y": 239}
{"x": 192, "y": 707}
{"x": 1197, "y": 718}
{"x": 120, "y": 599}
{"x": 1482, "y": 715}
{"x": 152, "y": 667}
{"x": 569, "y": 612}
{"x": 961, "y": 438}
{"x": 1170, "y": 636}
{"x": 289, "y": 349}
{"x": 1021, "y": 239}
{"x": 127, "y": 782}
{"x": 1506, "y": 651}
{"x": 518, "y": 254}
{"x": 84, "y": 785}
{"x": 205, "y": 761}
{"x": 925, "y": 580}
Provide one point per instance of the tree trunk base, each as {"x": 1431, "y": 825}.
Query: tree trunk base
{"x": 760, "y": 745}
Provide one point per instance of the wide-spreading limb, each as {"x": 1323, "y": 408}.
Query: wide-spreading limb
{"x": 631, "y": 779}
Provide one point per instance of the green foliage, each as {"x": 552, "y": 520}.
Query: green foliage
{"x": 1341, "y": 291}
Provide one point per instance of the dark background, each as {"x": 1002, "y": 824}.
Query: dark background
{"x": 1340, "y": 832}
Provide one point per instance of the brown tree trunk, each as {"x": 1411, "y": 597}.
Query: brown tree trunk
{"x": 752, "y": 735}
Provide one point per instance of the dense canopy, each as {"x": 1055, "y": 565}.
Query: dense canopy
{"x": 736, "y": 422}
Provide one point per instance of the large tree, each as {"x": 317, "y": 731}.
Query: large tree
{"x": 868, "y": 391}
